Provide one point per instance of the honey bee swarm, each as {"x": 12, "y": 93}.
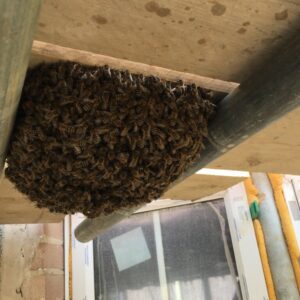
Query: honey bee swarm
{"x": 94, "y": 139}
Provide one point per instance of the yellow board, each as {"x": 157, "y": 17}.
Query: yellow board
{"x": 286, "y": 223}
{"x": 252, "y": 195}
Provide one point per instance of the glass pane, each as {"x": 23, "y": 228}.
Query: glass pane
{"x": 176, "y": 253}
{"x": 139, "y": 280}
{"x": 194, "y": 256}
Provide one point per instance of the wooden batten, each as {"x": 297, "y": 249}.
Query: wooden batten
{"x": 46, "y": 52}
{"x": 16, "y": 208}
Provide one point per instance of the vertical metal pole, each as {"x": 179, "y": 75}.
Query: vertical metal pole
{"x": 279, "y": 259}
{"x": 160, "y": 257}
{"x": 17, "y": 24}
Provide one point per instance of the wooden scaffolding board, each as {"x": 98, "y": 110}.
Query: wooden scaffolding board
{"x": 217, "y": 39}
{"x": 198, "y": 186}
{"x": 274, "y": 149}
{"x": 15, "y": 208}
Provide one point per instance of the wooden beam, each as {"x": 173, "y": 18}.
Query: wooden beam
{"x": 42, "y": 51}
{"x": 199, "y": 186}
{"x": 17, "y": 24}
{"x": 15, "y": 208}
{"x": 217, "y": 39}
{"x": 271, "y": 92}
{"x": 274, "y": 149}
{"x": 264, "y": 98}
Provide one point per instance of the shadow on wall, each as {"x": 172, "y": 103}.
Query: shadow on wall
{"x": 31, "y": 262}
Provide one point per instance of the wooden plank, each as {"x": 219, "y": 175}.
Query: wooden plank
{"x": 217, "y": 39}
{"x": 45, "y": 52}
{"x": 274, "y": 149}
{"x": 17, "y": 24}
{"x": 199, "y": 186}
{"x": 168, "y": 203}
{"x": 15, "y": 208}
{"x": 270, "y": 93}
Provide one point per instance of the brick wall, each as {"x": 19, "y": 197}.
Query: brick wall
{"x": 32, "y": 262}
{"x": 47, "y": 266}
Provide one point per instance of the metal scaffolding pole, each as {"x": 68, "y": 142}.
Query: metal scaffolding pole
{"x": 272, "y": 91}
{"x": 17, "y": 24}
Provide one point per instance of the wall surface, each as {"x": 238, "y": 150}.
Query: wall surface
{"x": 31, "y": 262}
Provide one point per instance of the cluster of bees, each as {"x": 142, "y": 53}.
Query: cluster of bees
{"x": 94, "y": 139}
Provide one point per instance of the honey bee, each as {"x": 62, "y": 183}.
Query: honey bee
{"x": 80, "y": 132}
{"x": 107, "y": 69}
{"x": 82, "y": 164}
{"x": 157, "y": 132}
{"x": 111, "y": 155}
{"x": 94, "y": 139}
{"x": 124, "y": 131}
{"x": 141, "y": 143}
{"x": 87, "y": 107}
{"x": 77, "y": 149}
{"x": 123, "y": 158}
{"x": 133, "y": 161}
{"x": 133, "y": 143}
{"x": 121, "y": 137}
{"x": 98, "y": 121}
{"x": 65, "y": 129}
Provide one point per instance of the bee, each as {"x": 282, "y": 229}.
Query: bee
{"x": 107, "y": 175}
{"x": 157, "y": 132}
{"x": 40, "y": 134}
{"x": 133, "y": 143}
{"x": 87, "y": 107}
{"x": 123, "y": 158}
{"x": 62, "y": 86}
{"x": 130, "y": 77}
{"x": 66, "y": 129}
{"x": 111, "y": 155}
{"x": 135, "y": 128}
{"x": 107, "y": 71}
{"x": 183, "y": 143}
{"x": 105, "y": 100}
{"x": 111, "y": 129}
{"x": 124, "y": 131}
{"x": 151, "y": 146}
{"x": 82, "y": 144}
{"x": 141, "y": 143}
{"x": 159, "y": 143}
{"x": 94, "y": 139}
{"x": 80, "y": 132}
{"x": 133, "y": 161}
{"x": 98, "y": 121}
{"x": 51, "y": 145}
{"x": 82, "y": 164}
{"x": 145, "y": 151}
{"x": 77, "y": 149}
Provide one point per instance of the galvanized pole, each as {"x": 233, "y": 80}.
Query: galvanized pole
{"x": 17, "y": 24}
{"x": 269, "y": 93}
